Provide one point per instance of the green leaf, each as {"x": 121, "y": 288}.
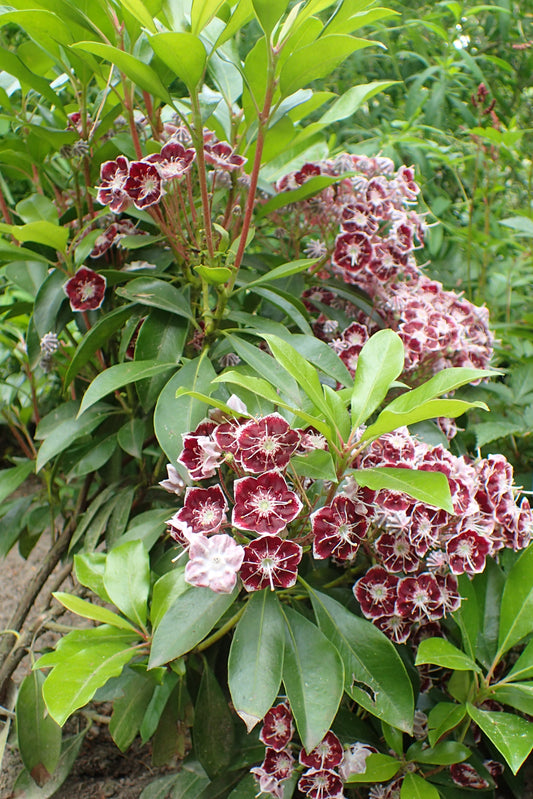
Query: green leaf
{"x": 73, "y": 683}
{"x": 375, "y": 676}
{"x": 379, "y": 364}
{"x": 317, "y": 60}
{"x": 313, "y": 676}
{"x": 511, "y": 735}
{"x": 189, "y": 619}
{"x": 119, "y": 376}
{"x": 70, "y": 430}
{"x": 255, "y": 661}
{"x": 127, "y": 580}
{"x": 516, "y": 616}
{"x": 443, "y": 754}
{"x": 379, "y": 768}
{"x": 131, "y": 437}
{"x": 202, "y": 12}
{"x": 353, "y": 99}
{"x": 98, "y": 336}
{"x": 158, "y": 294}
{"x": 516, "y": 694}
{"x": 310, "y": 188}
{"x": 172, "y": 416}
{"x": 269, "y": 13}
{"x": 522, "y": 224}
{"x": 285, "y": 270}
{"x": 432, "y": 409}
{"x": 317, "y": 464}
{"x": 523, "y": 668}
{"x": 162, "y": 337}
{"x": 27, "y": 275}
{"x": 184, "y": 54}
{"x": 415, "y": 787}
{"x": 429, "y": 487}
{"x": 444, "y": 717}
{"x": 89, "y": 611}
{"x": 41, "y": 233}
{"x": 26, "y": 788}
{"x": 214, "y": 275}
{"x": 157, "y": 705}
{"x": 142, "y": 75}
{"x": 48, "y": 302}
{"x": 11, "y": 479}
{"x": 86, "y": 638}
{"x": 488, "y": 589}
{"x": 89, "y": 568}
{"x": 39, "y": 737}
{"x": 12, "y": 64}
{"x": 442, "y": 653}
{"x": 166, "y": 590}
{"x": 129, "y": 709}
{"x": 298, "y": 367}
{"x": 322, "y": 356}
{"x": 213, "y": 731}
{"x": 140, "y": 12}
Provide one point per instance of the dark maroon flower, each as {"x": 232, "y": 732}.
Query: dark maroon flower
{"x": 270, "y": 562}
{"x": 143, "y": 184}
{"x": 306, "y": 172}
{"x": 226, "y": 434}
{"x": 338, "y": 529}
{"x": 449, "y": 589}
{"x": 326, "y": 755}
{"x": 85, "y": 290}
{"x": 394, "y": 627}
{"x": 265, "y": 504}
{"x": 353, "y": 251}
{"x": 376, "y": 592}
{"x": 113, "y": 175}
{"x": 222, "y": 156}
{"x": 266, "y": 443}
{"x": 173, "y": 161}
{"x": 201, "y": 456}
{"x": 104, "y": 241}
{"x": 321, "y": 784}
{"x": 425, "y": 526}
{"x": 419, "y": 598}
{"x": 378, "y": 196}
{"x": 465, "y": 775}
{"x": 310, "y": 440}
{"x": 467, "y": 552}
{"x": 396, "y": 552}
{"x": 277, "y": 729}
{"x": 279, "y": 764}
{"x": 203, "y": 509}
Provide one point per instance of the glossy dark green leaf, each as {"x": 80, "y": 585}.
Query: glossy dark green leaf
{"x": 516, "y": 616}
{"x": 317, "y": 60}
{"x": 313, "y": 676}
{"x": 166, "y": 590}
{"x": 157, "y": 294}
{"x": 523, "y": 668}
{"x": 379, "y": 364}
{"x": 118, "y": 376}
{"x": 89, "y": 611}
{"x": 468, "y": 615}
{"x": 143, "y": 75}
{"x": 516, "y": 694}
{"x": 69, "y": 430}
{"x": 443, "y": 754}
{"x": 97, "y": 337}
{"x": 442, "y": 718}
{"x": 129, "y": 709}
{"x": 27, "y": 275}
{"x": 375, "y": 676}
{"x": 311, "y": 187}
{"x": 184, "y": 54}
{"x": 157, "y": 705}
{"x": 91, "y": 456}
{"x": 189, "y": 619}
{"x": 429, "y": 487}
{"x": 299, "y": 368}
{"x": 511, "y": 735}
{"x": 173, "y": 417}
{"x": 38, "y": 735}
{"x": 255, "y": 661}
{"x": 71, "y": 684}
{"x": 213, "y": 732}
{"x": 48, "y": 302}
{"x": 443, "y": 653}
{"x": 127, "y": 580}
{"x": 488, "y": 588}
{"x": 162, "y": 337}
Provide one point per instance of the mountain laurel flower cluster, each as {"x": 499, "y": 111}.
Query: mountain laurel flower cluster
{"x": 255, "y": 519}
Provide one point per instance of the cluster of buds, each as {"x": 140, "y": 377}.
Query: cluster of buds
{"x": 411, "y": 552}
{"x": 324, "y": 769}
{"x": 369, "y": 233}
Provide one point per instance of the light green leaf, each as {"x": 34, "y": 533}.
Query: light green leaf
{"x": 379, "y": 768}
{"x": 298, "y": 367}
{"x": 415, "y": 787}
{"x": 317, "y": 464}
{"x": 511, "y": 735}
{"x": 166, "y": 590}
{"x": 285, "y": 270}
{"x": 313, "y": 676}
{"x": 89, "y": 568}
{"x": 516, "y": 616}
{"x": 442, "y": 653}
{"x": 119, "y": 376}
{"x": 140, "y": 12}
{"x": 72, "y": 684}
{"x": 269, "y": 13}
{"x": 192, "y": 616}
{"x": 353, "y": 99}
{"x": 379, "y": 364}
{"x": 255, "y": 661}
{"x": 80, "y": 640}
{"x": 311, "y": 187}
{"x": 158, "y": 294}
{"x": 39, "y": 737}
{"x": 522, "y": 224}
{"x": 89, "y": 611}
{"x": 11, "y": 479}
{"x": 390, "y": 420}
{"x": 214, "y": 275}
{"x": 523, "y": 668}
{"x": 202, "y": 12}
{"x": 375, "y": 676}
{"x": 429, "y": 487}
{"x": 317, "y": 60}
{"x": 184, "y": 54}
{"x": 42, "y": 232}
{"x": 127, "y": 580}
{"x": 142, "y": 75}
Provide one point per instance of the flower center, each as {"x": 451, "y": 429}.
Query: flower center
{"x": 87, "y": 291}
